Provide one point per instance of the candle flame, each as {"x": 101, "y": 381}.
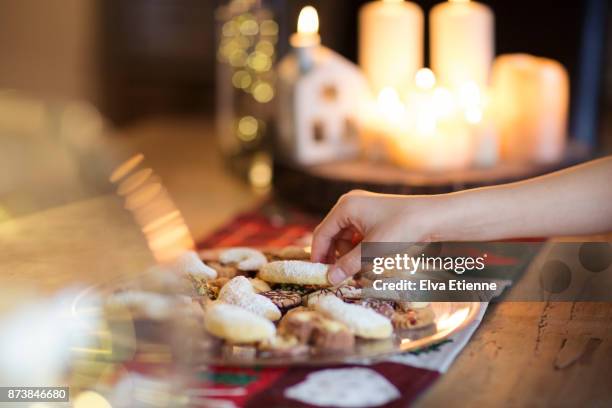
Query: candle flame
{"x": 425, "y": 79}
{"x": 459, "y": 1}
{"x": 308, "y": 21}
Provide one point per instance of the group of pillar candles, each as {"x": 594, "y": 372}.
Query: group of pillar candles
{"x": 470, "y": 109}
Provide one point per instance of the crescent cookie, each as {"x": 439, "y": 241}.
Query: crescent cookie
{"x": 237, "y": 325}
{"x": 190, "y": 263}
{"x": 246, "y": 259}
{"x": 362, "y": 321}
{"x": 288, "y": 253}
{"x": 240, "y": 292}
{"x": 297, "y": 272}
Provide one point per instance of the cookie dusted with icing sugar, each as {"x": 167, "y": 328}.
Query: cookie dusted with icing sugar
{"x": 190, "y": 263}
{"x": 297, "y": 272}
{"x": 240, "y": 292}
{"x": 364, "y": 322}
{"x": 237, "y": 325}
{"x": 245, "y": 259}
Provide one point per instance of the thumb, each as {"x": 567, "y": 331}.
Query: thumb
{"x": 346, "y": 266}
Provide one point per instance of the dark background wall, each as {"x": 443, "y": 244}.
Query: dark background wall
{"x": 143, "y": 57}
{"x": 159, "y": 55}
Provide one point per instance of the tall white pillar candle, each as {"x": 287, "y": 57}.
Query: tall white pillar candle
{"x": 390, "y": 43}
{"x": 531, "y": 99}
{"x": 461, "y": 42}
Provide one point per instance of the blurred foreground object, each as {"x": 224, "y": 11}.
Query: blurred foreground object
{"x": 40, "y": 338}
{"x": 153, "y": 209}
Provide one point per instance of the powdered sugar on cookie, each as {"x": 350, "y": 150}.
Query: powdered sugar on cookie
{"x": 364, "y": 322}
{"x": 239, "y": 291}
{"x": 297, "y": 272}
{"x": 236, "y": 324}
{"x": 190, "y": 263}
{"x": 246, "y": 259}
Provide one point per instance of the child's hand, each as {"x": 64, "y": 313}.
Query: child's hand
{"x": 570, "y": 202}
{"x": 362, "y": 216}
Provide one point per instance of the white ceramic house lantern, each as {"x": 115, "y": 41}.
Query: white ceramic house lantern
{"x": 319, "y": 96}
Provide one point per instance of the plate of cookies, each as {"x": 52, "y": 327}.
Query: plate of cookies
{"x": 253, "y": 306}
{"x": 275, "y": 307}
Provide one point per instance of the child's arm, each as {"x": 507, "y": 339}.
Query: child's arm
{"x": 574, "y": 201}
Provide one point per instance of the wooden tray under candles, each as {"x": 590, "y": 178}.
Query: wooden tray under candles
{"x": 318, "y": 187}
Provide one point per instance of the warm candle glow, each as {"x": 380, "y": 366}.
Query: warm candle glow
{"x": 459, "y": 1}
{"x": 443, "y": 102}
{"x": 308, "y": 21}
{"x": 473, "y": 115}
{"x": 389, "y": 103}
{"x": 470, "y": 99}
{"x": 425, "y": 79}
{"x": 469, "y": 95}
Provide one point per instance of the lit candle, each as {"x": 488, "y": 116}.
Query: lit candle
{"x": 436, "y": 137}
{"x": 384, "y": 120}
{"x": 476, "y": 110}
{"x": 306, "y": 38}
{"x": 390, "y": 43}
{"x": 462, "y": 42}
{"x": 531, "y": 97}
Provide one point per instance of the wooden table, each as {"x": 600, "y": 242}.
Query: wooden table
{"x": 509, "y": 361}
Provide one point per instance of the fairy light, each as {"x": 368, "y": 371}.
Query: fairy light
{"x": 263, "y": 92}
{"x": 247, "y": 128}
